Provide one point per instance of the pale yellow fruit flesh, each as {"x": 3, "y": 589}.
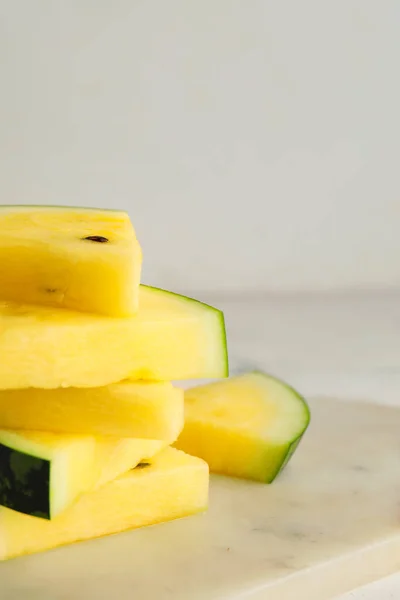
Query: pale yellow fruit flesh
{"x": 247, "y": 426}
{"x": 174, "y": 486}
{"x": 79, "y": 463}
{"x": 132, "y": 409}
{"x": 71, "y": 462}
{"x": 46, "y": 260}
{"x": 171, "y": 337}
{"x": 116, "y": 456}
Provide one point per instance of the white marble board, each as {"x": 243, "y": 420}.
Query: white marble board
{"x": 329, "y": 524}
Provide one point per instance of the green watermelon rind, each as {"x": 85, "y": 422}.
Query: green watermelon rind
{"x": 219, "y": 314}
{"x": 293, "y": 443}
{"x": 204, "y": 307}
{"x": 22, "y": 487}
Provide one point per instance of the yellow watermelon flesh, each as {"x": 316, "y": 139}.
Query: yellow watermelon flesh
{"x": 174, "y": 485}
{"x": 42, "y": 474}
{"x": 171, "y": 337}
{"x": 133, "y": 409}
{"x": 247, "y": 426}
{"x": 80, "y": 259}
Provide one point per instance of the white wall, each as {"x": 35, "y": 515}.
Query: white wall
{"x": 254, "y": 142}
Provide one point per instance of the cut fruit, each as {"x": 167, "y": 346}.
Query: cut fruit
{"x": 116, "y": 456}
{"x": 76, "y": 258}
{"x": 174, "y": 485}
{"x": 41, "y": 474}
{"x": 171, "y": 337}
{"x": 135, "y": 409}
{"x": 248, "y": 426}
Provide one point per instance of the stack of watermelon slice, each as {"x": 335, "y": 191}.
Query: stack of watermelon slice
{"x": 88, "y": 413}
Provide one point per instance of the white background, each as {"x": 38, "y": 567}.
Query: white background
{"x": 255, "y": 143}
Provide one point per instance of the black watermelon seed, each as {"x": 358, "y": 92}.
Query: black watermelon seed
{"x": 143, "y": 465}
{"x": 97, "y": 238}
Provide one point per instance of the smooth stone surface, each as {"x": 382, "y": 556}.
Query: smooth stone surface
{"x": 331, "y": 522}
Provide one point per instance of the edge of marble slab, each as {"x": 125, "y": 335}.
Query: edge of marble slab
{"x": 382, "y": 589}
{"x": 369, "y": 388}
{"x": 339, "y": 576}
